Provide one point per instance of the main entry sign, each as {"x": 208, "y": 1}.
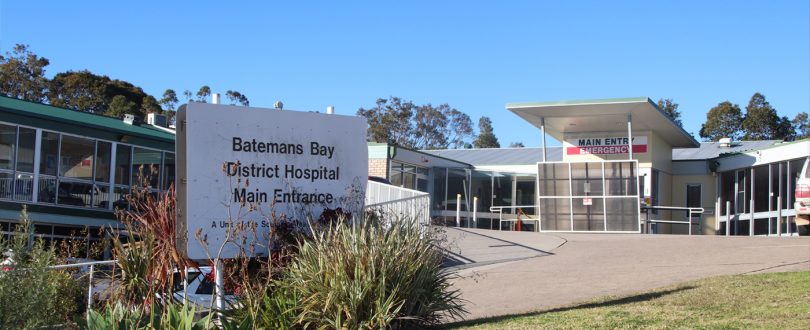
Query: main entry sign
{"x": 240, "y": 169}
{"x": 605, "y": 145}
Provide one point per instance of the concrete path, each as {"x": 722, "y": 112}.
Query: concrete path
{"x": 517, "y": 272}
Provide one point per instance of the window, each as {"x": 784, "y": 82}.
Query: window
{"x": 8, "y": 143}
{"x": 76, "y": 158}
{"x": 25, "y": 151}
{"x": 48, "y": 153}
{"x": 145, "y": 167}
{"x": 693, "y": 197}
{"x": 168, "y": 170}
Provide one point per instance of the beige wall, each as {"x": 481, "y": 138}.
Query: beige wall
{"x": 378, "y": 167}
{"x": 708, "y": 193}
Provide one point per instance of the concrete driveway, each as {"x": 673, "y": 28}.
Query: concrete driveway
{"x": 516, "y": 272}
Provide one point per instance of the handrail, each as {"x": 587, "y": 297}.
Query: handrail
{"x": 398, "y": 200}
{"x": 499, "y": 210}
{"x": 690, "y": 211}
{"x": 92, "y": 265}
{"x": 81, "y": 264}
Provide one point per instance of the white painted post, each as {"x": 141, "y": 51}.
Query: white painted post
{"x": 728, "y": 218}
{"x": 690, "y": 222}
{"x": 543, "y": 136}
{"x": 475, "y": 211}
{"x": 185, "y": 285}
{"x": 629, "y": 138}
{"x": 779, "y": 216}
{"x": 219, "y": 284}
{"x": 90, "y": 291}
{"x": 458, "y": 210}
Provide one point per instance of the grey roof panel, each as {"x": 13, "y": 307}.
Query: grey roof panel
{"x": 499, "y": 156}
{"x": 710, "y": 150}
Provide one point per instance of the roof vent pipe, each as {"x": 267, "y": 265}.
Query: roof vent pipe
{"x": 215, "y": 98}
{"x": 330, "y": 110}
{"x": 725, "y": 142}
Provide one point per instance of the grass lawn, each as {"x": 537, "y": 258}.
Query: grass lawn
{"x": 769, "y": 301}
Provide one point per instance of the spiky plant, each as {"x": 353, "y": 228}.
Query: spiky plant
{"x": 372, "y": 275}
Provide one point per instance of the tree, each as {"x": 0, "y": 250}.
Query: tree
{"x": 724, "y": 120}
{"x": 119, "y": 106}
{"x": 670, "y": 108}
{"x": 169, "y": 100}
{"x": 88, "y": 92}
{"x": 150, "y": 105}
{"x": 80, "y": 91}
{"x": 203, "y": 93}
{"x": 422, "y": 127}
{"x": 486, "y": 137}
{"x": 516, "y": 145}
{"x": 236, "y": 97}
{"x": 22, "y": 75}
{"x": 389, "y": 120}
{"x": 761, "y": 121}
{"x": 801, "y": 125}
{"x": 785, "y": 130}
{"x": 187, "y": 93}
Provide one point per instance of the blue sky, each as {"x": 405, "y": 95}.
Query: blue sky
{"x": 475, "y": 56}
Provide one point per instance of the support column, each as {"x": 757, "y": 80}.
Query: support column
{"x": 37, "y": 155}
{"x": 630, "y": 136}
{"x": 543, "y": 137}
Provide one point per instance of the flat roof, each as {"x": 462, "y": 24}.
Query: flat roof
{"x": 603, "y": 116}
{"x": 82, "y": 123}
{"x": 499, "y": 156}
{"x": 709, "y": 150}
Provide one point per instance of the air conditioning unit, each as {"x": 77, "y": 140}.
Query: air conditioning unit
{"x": 156, "y": 119}
{"x": 132, "y": 119}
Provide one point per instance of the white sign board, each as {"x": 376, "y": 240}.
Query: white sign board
{"x": 240, "y": 168}
{"x": 605, "y": 145}
{"x": 587, "y": 201}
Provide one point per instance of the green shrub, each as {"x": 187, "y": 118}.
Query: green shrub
{"x": 371, "y": 276}
{"x": 170, "y": 316}
{"x": 31, "y": 295}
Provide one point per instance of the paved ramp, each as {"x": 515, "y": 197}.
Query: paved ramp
{"x": 469, "y": 248}
{"x": 516, "y": 272}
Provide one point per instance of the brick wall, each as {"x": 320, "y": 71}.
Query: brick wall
{"x": 378, "y": 167}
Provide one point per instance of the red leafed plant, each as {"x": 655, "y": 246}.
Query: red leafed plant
{"x": 153, "y": 215}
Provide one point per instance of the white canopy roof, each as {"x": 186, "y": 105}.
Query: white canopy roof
{"x": 603, "y": 116}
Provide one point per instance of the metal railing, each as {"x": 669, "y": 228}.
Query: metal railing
{"x": 690, "y": 211}
{"x": 499, "y": 210}
{"x": 398, "y": 202}
{"x": 90, "y": 272}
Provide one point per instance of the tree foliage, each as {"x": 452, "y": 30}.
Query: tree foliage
{"x": 119, "y": 106}
{"x": 801, "y": 125}
{"x": 88, "y": 92}
{"x": 516, "y": 145}
{"x": 761, "y": 121}
{"x": 235, "y": 97}
{"x": 486, "y": 137}
{"x": 426, "y": 126}
{"x": 670, "y": 108}
{"x": 169, "y": 100}
{"x": 724, "y": 120}
{"x": 203, "y": 93}
{"x": 22, "y": 75}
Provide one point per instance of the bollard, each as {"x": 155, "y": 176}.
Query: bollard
{"x": 475, "y": 212}
{"x": 458, "y": 210}
{"x": 779, "y": 216}
{"x": 728, "y": 218}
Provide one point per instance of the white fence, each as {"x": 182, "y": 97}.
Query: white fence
{"x": 398, "y": 203}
